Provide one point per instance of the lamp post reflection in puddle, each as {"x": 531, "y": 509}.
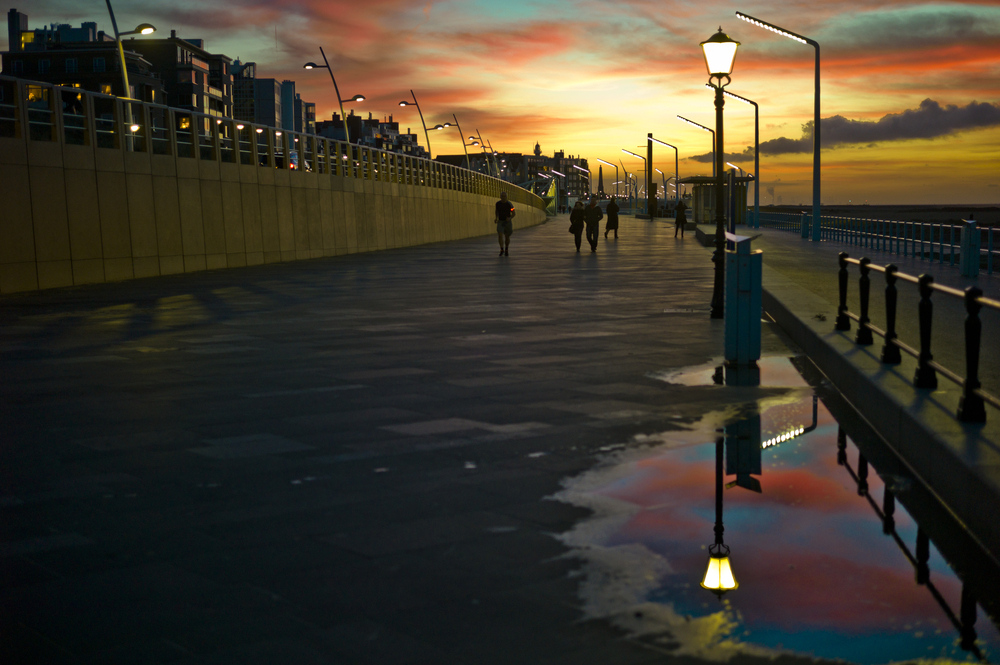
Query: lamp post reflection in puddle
{"x": 719, "y": 576}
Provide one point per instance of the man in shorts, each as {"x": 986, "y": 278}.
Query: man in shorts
{"x": 505, "y": 213}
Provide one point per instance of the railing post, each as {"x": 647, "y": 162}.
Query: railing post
{"x": 841, "y": 446}
{"x": 862, "y": 475}
{"x": 969, "y": 258}
{"x": 967, "y": 614}
{"x": 970, "y": 407}
{"x": 890, "y": 352}
{"x": 864, "y": 336}
{"x": 925, "y": 376}
{"x": 923, "y": 555}
{"x": 888, "y": 509}
{"x": 843, "y": 322}
{"x": 805, "y": 225}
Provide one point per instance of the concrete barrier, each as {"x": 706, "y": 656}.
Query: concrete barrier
{"x": 88, "y": 199}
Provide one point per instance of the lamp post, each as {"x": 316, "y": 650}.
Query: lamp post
{"x": 677, "y": 170}
{"x": 141, "y": 29}
{"x": 816, "y": 119}
{"x": 628, "y": 152}
{"x": 710, "y": 131}
{"x": 616, "y": 174}
{"x": 719, "y": 574}
{"x": 720, "y": 53}
{"x": 355, "y": 98}
{"x": 426, "y": 135}
{"x": 587, "y": 171}
{"x": 756, "y": 155}
{"x": 477, "y": 139}
{"x": 460, "y": 134}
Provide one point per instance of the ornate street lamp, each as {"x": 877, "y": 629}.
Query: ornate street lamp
{"x": 719, "y": 575}
{"x": 720, "y": 54}
{"x": 355, "y": 98}
{"x": 426, "y": 135}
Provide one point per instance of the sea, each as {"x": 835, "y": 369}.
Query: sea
{"x": 984, "y": 215}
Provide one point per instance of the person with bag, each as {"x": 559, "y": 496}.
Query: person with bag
{"x": 593, "y": 215}
{"x": 505, "y": 213}
{"x": 576, "y": 223}
{"x": 612, "y": 223}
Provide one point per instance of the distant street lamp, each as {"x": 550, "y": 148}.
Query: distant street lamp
{"x": 629, "y": 152}
{"x": 677, "y": 170}
{"x": 756, "y": 155}
{"x": 482, "y": 144}
{"x": 355, "y": 98}
{"x": 554, "y": 172}
{"x": 587, "y": 171}
{"x": 816, "y": 119}
{"x": 616, "y": 174}
{"x": 461, "y": 135}
{"x": 426, "y": 135}
{"x": 710, "y": 131}
{"x": 720, "y": 53}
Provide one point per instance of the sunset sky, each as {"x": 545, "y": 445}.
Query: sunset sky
{"x": 910, "y": 90}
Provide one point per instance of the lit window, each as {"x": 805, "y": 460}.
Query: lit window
{"x": 106, "y": 89}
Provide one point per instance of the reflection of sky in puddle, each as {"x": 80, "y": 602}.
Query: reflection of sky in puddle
{"x": 817, "y": 576}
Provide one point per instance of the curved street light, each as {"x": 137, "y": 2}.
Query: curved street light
{"x": 629, "y": 152}
{"x": 677, "y": 170}
{"x": 816, "y": 119}
{"x": 756, "y": 155}
{"x": 710, "y": 131}
{"x": 587, "y": 171}
{"x": 616, "y": 174}
{"x": 355, "y": 98}
{"x": 426, "y": 135}
{"x": 141, "y": 29}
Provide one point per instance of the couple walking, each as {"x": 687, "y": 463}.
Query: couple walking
{"x": 591, "y": 217}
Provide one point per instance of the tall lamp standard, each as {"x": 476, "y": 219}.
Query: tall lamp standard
{"x": 478, "y": 140}
{"x": 587, "y": 171}
{"x": 710, "y": 131}
{"x": 720, "y": 53}
{"x": 141, "y": 29}
{"x": 355, "y": 98}
{"x": 616, "y": 174}
{"x": 426, "y": 135}
{"x": 816, "y": 121}
{"x": 461, "y": 136}
{"x": 756, "y": 156}
{"x": 677, "y": 170}
{"x": 628, "y": 152}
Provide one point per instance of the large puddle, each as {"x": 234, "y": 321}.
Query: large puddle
{"x": 818, "y": 575}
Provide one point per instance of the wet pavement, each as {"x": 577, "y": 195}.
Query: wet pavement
{"x": 386, "y": 458}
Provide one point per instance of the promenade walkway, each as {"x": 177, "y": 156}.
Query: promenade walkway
{"x": 341, "y": 460}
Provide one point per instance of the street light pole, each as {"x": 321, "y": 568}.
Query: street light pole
{"x": 141, "y": 29}
{"x": 647, "y": 172}
{"x": 336, "y": 90}
{"x": 816, "y": 120}
{"x": 677, "y": 170}
{"x": 616, "y": 174}
{"x": 710, "y": 131}
{"x": 720, "y": 53}
{"x": 426, "y": 135}
{"x": 587, "y": 171}
{"x": 756, "y": 155}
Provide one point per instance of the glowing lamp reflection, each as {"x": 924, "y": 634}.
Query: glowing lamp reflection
{"x": 719, "y": 575}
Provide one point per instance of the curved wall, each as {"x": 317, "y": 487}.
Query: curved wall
{"x": 84, "y": 199}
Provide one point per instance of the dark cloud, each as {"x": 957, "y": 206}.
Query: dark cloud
{"x": 929, "y": 121}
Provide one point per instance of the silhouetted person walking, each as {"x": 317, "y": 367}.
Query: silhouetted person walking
{"x": 593, "y": 215}
{"x": 680, "y": 219}
{"x": 576, "y": 217}
{"x": 612, "y": 223}
{"x": 505, "y": 213}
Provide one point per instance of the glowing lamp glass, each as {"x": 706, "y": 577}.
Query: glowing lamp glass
{"x": 720, "y": 54}
{"x": 719, "y": 575}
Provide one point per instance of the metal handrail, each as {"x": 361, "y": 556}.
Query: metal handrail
{"x": 971, "y": 406}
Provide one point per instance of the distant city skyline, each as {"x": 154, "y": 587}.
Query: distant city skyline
{"x": 910, "y": 90}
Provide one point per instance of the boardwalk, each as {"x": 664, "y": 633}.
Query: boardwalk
{"x": 336, "y": 461}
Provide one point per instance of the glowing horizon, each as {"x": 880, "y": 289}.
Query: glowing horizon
{"x": 910, "y": 90}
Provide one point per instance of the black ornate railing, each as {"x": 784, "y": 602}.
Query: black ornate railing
{"x": 971, "y": 407}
